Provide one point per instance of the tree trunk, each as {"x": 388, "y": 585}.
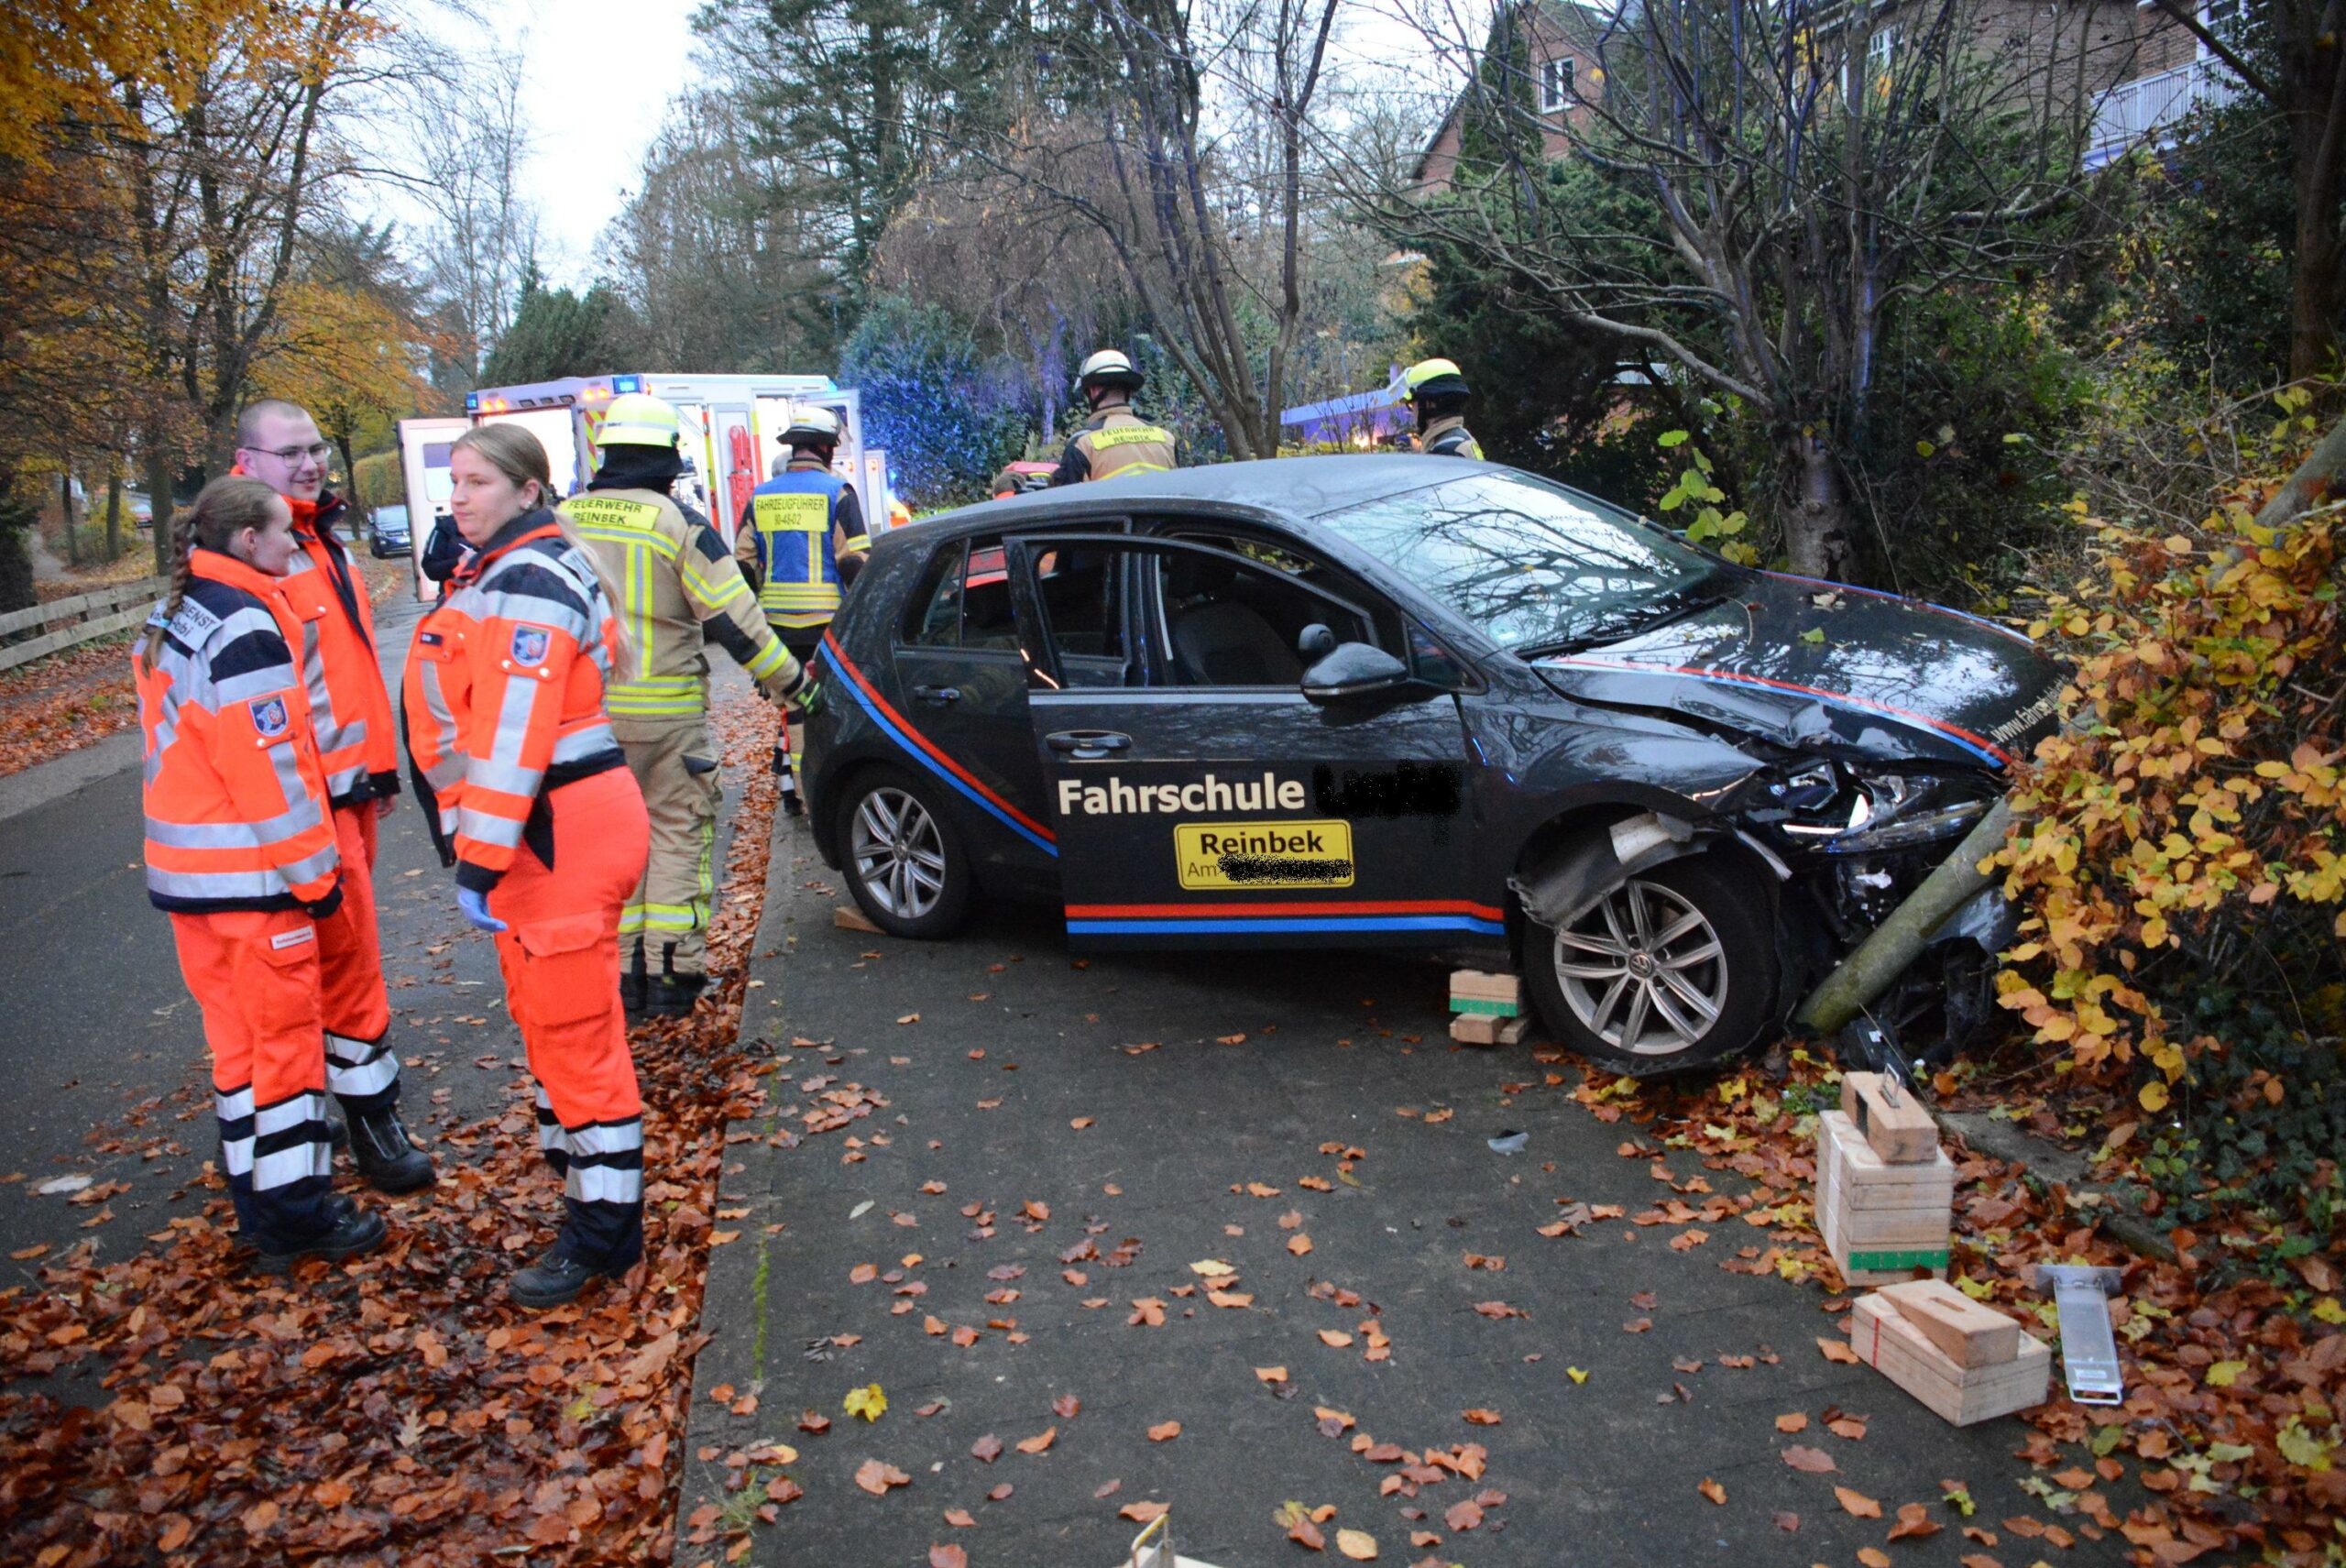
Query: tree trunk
{"x": 1818, "y": 527}
{"x": 114, "y": 511}
{"x": 2314, "y": 270}
{"x": 17, "y": 519}
{"x": 65, "y": 505}
{"x": 159, "y": 501}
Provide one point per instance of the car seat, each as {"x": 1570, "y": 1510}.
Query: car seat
{"x": 1220, "y": 640}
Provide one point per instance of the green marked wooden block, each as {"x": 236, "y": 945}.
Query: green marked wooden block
{"x": 1880, "y": 1221}
{"x": 1491, "y": 995}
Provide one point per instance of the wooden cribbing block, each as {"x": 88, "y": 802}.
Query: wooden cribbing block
{"x": 1968, "y": 1333}
{"x": 1881, "y": 1221}
{"x": 1885, "y": 1339}
{"x": 1901, "y": 1131}
{"x": 847, "y": 918}
{"x": 1473, "y": 991}
{"x": 1513, "y": 1030}
{"x": 1476, "y": 1028}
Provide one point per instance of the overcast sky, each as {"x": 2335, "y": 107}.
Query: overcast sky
{"x": 602, "y": 73}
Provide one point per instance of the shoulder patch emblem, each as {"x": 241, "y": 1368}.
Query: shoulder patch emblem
{"x": 529, "y": 644}
{"x": 269, "y": 716}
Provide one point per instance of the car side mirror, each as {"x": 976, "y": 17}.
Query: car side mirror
{"x": 1314, "y": 642}
{"x": 1352, "y": 670}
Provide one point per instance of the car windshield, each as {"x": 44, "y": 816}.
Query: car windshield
{"x": 1538, "y": 567}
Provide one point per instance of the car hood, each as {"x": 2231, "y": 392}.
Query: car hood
{"x": 1829, "y": 667}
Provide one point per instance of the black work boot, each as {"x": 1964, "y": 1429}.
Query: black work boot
{"x": 386, "y": 1159}
{"x": 337, "y": 1133}
{"x": 633, "y": 987}
{"x": 672, "y": 995}
{"x": 355, "y": 1231}
{"x": 558, "y": 1277}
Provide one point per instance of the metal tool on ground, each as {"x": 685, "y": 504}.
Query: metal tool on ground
{"x": 1966, "y": 1361}
{"x": 1153, "y": 1548}
{"x": 2088, "y": 1349}
{"x": 1881, "y": 1220}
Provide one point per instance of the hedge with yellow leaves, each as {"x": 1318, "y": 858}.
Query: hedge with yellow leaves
{"x": 2184, "y": 830}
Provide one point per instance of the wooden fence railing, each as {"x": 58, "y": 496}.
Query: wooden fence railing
{"x": 67, "y": 622}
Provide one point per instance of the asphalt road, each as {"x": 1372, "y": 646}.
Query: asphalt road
{"x": 1023, "y": 1116}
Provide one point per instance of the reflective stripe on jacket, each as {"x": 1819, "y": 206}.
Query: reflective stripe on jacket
{"x": 797, "y": 527}
{"x": 505, "y": 699}
{"x": 679, "y": 589}
{"x": 238, "y": 815}
{"x": 349, "y": 706}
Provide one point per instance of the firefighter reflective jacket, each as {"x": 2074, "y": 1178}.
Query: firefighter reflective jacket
{"x": 348, "y": 704}
{"x": 1115, "y": 440}
{"x": 1450, "y": 438}
{"x": 503, "y": 696}
{"x": 679, "y": 589}
{"x": 795, "y": 529}
{"x": 235, "y": 800}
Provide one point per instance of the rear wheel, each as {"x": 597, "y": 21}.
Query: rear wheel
{"x": 904, "y": 862}
{"x": 1671, "y": 969}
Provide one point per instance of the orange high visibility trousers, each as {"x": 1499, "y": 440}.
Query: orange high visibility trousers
{"x": 255, "y": 974}
{"x": 362, "y": 1070}
{"x": 560, "y": 952}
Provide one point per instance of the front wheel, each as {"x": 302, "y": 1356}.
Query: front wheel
{"x": 904, "y": 862}
{"x": 1671, "y": 969}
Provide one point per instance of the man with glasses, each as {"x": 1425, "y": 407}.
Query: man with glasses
{"x": 278, "y": 442}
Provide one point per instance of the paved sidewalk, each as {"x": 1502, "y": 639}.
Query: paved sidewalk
{"x": 996, "y": 1083}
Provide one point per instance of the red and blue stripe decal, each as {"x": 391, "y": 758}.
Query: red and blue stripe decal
{"x": 1977, "y": 745}
{"x": 929, "y": 756}
{"x": 1339, "y": 917}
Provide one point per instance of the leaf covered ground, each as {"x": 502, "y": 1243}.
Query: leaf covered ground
{"x": 396, "y": 1408}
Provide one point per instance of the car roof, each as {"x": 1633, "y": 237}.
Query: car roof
{"x": 1297, "y": 488}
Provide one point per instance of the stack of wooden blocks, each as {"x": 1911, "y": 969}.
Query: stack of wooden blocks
{"x": 1885, "y": 1190}
{"x": 1488, "y": 1008}
{"x": 1967, "y": 1362}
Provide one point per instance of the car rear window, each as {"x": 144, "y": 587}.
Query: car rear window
{"x": 1533, "y": 565}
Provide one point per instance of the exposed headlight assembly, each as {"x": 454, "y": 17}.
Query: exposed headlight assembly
{"x": 1901, "y": 811}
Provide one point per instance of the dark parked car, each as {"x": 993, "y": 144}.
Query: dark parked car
{"x": 391, "y": 535}
{"x": 1401, "y": 701}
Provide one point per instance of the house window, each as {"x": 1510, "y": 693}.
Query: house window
{"x": 1880, "y": 45}
{"x": 1556, "y": 85}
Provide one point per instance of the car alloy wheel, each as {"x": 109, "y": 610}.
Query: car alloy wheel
{"x": 899, "y": 854}
{"x": 1644, "y": 971}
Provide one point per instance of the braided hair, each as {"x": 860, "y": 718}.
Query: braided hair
{"x": 224, "y": 508}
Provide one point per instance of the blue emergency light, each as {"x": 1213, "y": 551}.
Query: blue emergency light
{"x": 472, "y": 403}
{"x": 627, "y": 383}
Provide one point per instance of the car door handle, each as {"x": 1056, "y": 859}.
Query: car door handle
{"x": 1087, "y": 745}
{"x": 938, "y": 696}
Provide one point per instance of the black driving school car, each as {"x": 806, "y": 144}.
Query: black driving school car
{"x": 1395, "y": 701}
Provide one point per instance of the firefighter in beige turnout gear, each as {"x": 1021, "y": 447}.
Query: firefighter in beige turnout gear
{"x": 1114, "y": 440}
{"x": 678, "y": 588}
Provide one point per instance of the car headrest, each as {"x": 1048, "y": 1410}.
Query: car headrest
{"x": 1188, "y": 575}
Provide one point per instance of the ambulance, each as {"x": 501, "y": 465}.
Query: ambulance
{"x": 732, "y": 428}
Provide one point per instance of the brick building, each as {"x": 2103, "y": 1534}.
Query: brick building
{"x": 2137, "y": 68}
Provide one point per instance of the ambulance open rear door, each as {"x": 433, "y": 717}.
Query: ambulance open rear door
{"x": 424, "y": 471}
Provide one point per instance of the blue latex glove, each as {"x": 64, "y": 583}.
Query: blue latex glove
{"x": 476, "y": 909}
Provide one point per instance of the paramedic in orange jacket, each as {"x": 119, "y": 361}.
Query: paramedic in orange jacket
{"x": 278, "y": 442}
{"x": 530, "y": 799}
{"x": 240, "y": 852}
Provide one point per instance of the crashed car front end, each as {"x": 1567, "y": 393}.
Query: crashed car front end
{"x": 1863, "y": 762}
